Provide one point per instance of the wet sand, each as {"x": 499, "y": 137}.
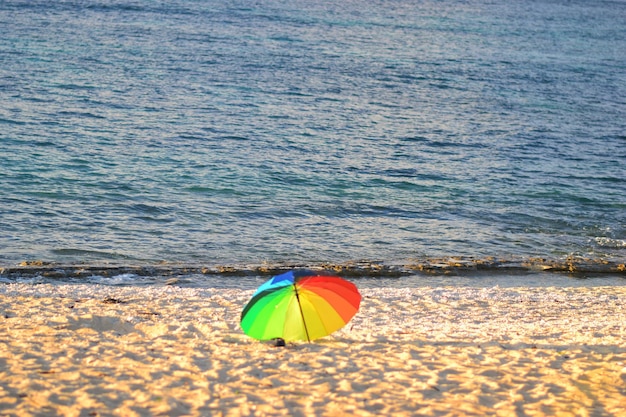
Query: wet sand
{"x": 91, "y": 350}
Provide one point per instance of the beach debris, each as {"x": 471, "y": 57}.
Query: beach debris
{"x": 111, "y": 300}
{"x": 300, "y": 305}
{"x": 148, "y": 313}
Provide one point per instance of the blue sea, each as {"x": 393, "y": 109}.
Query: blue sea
{"x": 201, "y": 135}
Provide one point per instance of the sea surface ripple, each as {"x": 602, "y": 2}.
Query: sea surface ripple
{"x": 310, "y": 132}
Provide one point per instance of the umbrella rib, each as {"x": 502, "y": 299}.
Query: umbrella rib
{"x": 301, "y": 312}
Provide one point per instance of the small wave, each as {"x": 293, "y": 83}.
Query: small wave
{"x": 83, "y": 252}
{"x": 124, "y": 279}
{"x": 12, "y": 121}
{"x": 607, "y": 242}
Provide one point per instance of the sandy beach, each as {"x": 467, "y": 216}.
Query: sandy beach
{"x": 91, "y": 350}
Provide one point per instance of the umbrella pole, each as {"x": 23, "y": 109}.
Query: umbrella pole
{"x": 302, "y": 313}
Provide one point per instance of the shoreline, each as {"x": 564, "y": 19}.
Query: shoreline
{"x": 453, "y": 265}
{"x": 436, "y": 351}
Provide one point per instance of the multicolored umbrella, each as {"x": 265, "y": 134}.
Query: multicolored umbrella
{"x": 300, "y": 305}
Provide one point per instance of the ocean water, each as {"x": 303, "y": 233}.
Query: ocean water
{"x": 182, "y": 132}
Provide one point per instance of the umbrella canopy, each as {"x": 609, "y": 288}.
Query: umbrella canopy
{"x": 300, "y": 305}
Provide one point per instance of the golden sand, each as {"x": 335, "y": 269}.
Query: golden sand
{"x": 88, "y": 350}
